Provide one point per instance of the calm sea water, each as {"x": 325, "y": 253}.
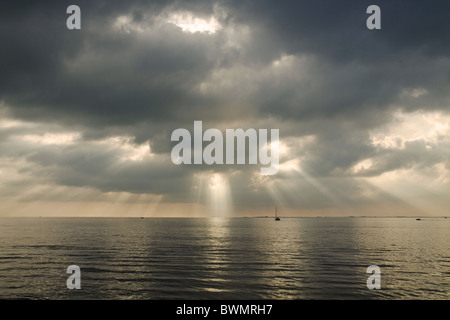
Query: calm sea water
{"x": 298, "y": 258}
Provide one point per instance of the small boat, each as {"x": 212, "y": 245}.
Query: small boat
{"x": 276, "y": 216}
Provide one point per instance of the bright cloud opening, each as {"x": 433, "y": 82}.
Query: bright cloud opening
{"x": 430, "y": 127}
{"x": 130, "y": 151}
{"x": 51, "y": 138}
{"x": 189, "y": 23}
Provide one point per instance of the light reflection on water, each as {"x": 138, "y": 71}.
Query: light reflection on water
{"x": 305, "y": 258}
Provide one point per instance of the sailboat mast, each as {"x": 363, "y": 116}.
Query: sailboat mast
{"x": 276, "y": 214}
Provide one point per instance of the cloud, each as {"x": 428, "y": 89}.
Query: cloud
{"x": 94, "y": 108}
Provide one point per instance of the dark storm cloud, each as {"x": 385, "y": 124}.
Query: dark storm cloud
{"x": 101, "y": 76}
{"x": 125, "y": 80}
{"x": 337, "y": 29}
{"x": 353, "y": 69}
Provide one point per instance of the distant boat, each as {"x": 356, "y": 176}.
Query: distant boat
{"x": 276, "y": 216}
{"x": 418, "y": 219}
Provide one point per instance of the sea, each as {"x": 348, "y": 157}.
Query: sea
{"x": 225, "y": 258}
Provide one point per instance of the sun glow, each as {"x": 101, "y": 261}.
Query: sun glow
{"x": 51, "y": 138}
{"x": 189, "y": 23}
{"x": 214, "y": 189}
{"x": 430, "y": 127}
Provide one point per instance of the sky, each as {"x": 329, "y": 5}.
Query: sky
{"x": 86, "y": 115}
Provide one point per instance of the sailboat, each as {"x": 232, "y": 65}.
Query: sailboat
{"x": 276, "y": 216}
